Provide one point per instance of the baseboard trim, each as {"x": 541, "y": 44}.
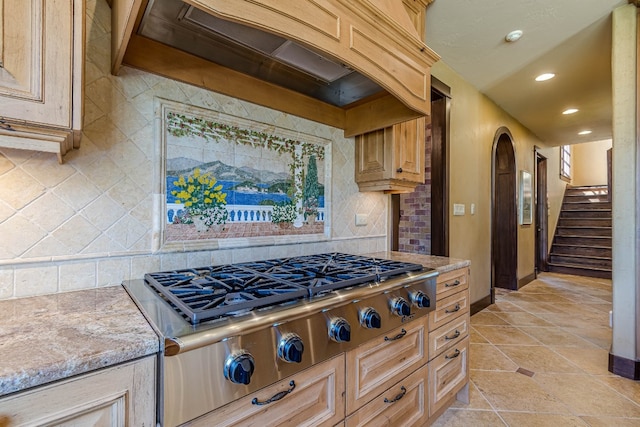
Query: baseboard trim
{"x": 526, "y": 280}
{"x": 480, "y": 305}
{"x": 624, "y": 367}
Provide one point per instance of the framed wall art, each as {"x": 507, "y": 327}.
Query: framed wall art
{"x": 526, "y": 198}
{"x": 227, "y": 181}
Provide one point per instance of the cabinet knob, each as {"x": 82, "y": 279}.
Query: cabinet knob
{"x": 399, "y": 170}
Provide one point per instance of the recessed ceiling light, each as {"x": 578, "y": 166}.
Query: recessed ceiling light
{"x": 545, "y": 76}
{"x": 513, "y": 36}
{"x": 570, "y": 111}
{"x": 584, "y": 132}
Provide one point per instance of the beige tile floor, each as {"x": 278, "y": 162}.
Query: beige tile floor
{"x": 539, "y": 357}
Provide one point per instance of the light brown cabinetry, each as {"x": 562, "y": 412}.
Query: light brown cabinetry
{"x": 376, "y": 39}
{"x": 117, "y": 396}
{"x": 316, "y": 399}
{"x": 417, "y": 11}
{"x": 449, "y": 341}
{"x": 41, "y": 74}
{"x": 404, "y": 404}
{"x": 391, "y": 159}
{"x": 374, "y": 367}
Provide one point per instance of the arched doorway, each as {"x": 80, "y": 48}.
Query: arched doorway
{"x": 504, "y": 222}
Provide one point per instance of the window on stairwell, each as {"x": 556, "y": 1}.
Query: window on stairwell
{"x": 565, "y": 162}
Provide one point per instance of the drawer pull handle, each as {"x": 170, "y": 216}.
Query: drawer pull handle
{"x": 451, "y": 285}
{"x": 403, "y": 391}
{"x": 276, "y": 396}
{"x": 453, "y": 337}
{"x": 457, "y": 308}
{"x": 397, "y": 337}
{"x": 454, "y": 355}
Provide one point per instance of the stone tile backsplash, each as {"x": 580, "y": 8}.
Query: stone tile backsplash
{"x": 89, "y": 222}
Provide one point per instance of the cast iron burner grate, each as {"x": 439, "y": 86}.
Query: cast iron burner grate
{"x": 210, "y": 292}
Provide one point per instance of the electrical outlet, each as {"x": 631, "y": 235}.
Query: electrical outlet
{"x": 458, "y": 209}
{"x": 361, "y": 219}
{"x": 472, "y": 208}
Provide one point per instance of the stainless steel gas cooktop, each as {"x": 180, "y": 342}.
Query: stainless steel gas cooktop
{"x": 249, "y": 325}
{"x": 205, "y": 293}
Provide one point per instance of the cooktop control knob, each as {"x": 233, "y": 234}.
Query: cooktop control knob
{"x": 290, "y": 348}
{"x": 420, "y": 299}
{"x": 370, "y": 318}
{"x": 340, "y": 330}
{"x": 400, "y": 307}
{"x": 238, "y": 368}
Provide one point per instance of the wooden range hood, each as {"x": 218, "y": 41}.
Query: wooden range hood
{"x": 379, "y": 40}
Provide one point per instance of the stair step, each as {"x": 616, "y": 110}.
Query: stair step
{"x": 573, "y": 198}
{"x": 577, "y": 206}
{"x": 563, "y": 249}
{"x": 584, "y": 222}
{"x": 599, "y": 241}
{"x": 582, "y": 242}
{"x": 580, "y": 270}
{"x": 588, "y": 261}
{"x": 590, "y": 213}
{"x": 591, "y": 188}
{"x": 586, "y": 231}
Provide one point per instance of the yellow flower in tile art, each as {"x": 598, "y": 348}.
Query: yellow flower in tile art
{"x": 199, "y": 192}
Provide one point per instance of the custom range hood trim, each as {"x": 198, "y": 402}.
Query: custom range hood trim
{"x": 358, "y": 33}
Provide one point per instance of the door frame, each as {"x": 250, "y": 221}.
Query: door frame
{"x": 439, "y": 168}
{"x": 502, "y": 131}
{"x": 542, "y": 216}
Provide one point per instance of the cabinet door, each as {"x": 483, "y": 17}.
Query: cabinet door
{"x": 448, "y": 374}
{"x": 316, "y": 399}
{"x": 448, "y": 309}
{"x": 373, "y": 157}
{"x": 409, "y": 150}
{"x": 376, "y": 365}
{"x": 37, "y": 61}
{"x": 120, "y": 396}
{"x": 446, "y": 336}
{"x": 452, "y": 282}
{"x": 404, "y": 404}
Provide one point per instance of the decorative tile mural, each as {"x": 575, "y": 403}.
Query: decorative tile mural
{"x": 229, "y": 181}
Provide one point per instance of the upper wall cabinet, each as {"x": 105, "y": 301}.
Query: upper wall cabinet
{"x": 41, "y": 74}
{"x": 391, "y": 159}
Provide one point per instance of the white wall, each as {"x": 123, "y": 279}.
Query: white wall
{"x": 625, "y": 203}
{"x": 589, "y": 163}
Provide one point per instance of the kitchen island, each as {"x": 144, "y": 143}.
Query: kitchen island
{"x": 99, "y": 335}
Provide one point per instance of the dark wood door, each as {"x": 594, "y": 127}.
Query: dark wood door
{"x": 542, "y": 223}
{"x": 505, "y": 222}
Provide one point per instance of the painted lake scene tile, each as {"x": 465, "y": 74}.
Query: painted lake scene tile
{"x": 230, "y": 178}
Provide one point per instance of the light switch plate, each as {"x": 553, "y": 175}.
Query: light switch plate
{"x": 361, "y": 219}
{"x": 458, "y": 209}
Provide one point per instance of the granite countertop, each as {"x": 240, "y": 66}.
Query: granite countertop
{"x": 51, "y": 337}
{"x": 442, "y": 264}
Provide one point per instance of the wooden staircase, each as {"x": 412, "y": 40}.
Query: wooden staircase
{"x": 582, "y": 242}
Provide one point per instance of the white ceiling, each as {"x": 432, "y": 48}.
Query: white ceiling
{"x": 571, "y": 38}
